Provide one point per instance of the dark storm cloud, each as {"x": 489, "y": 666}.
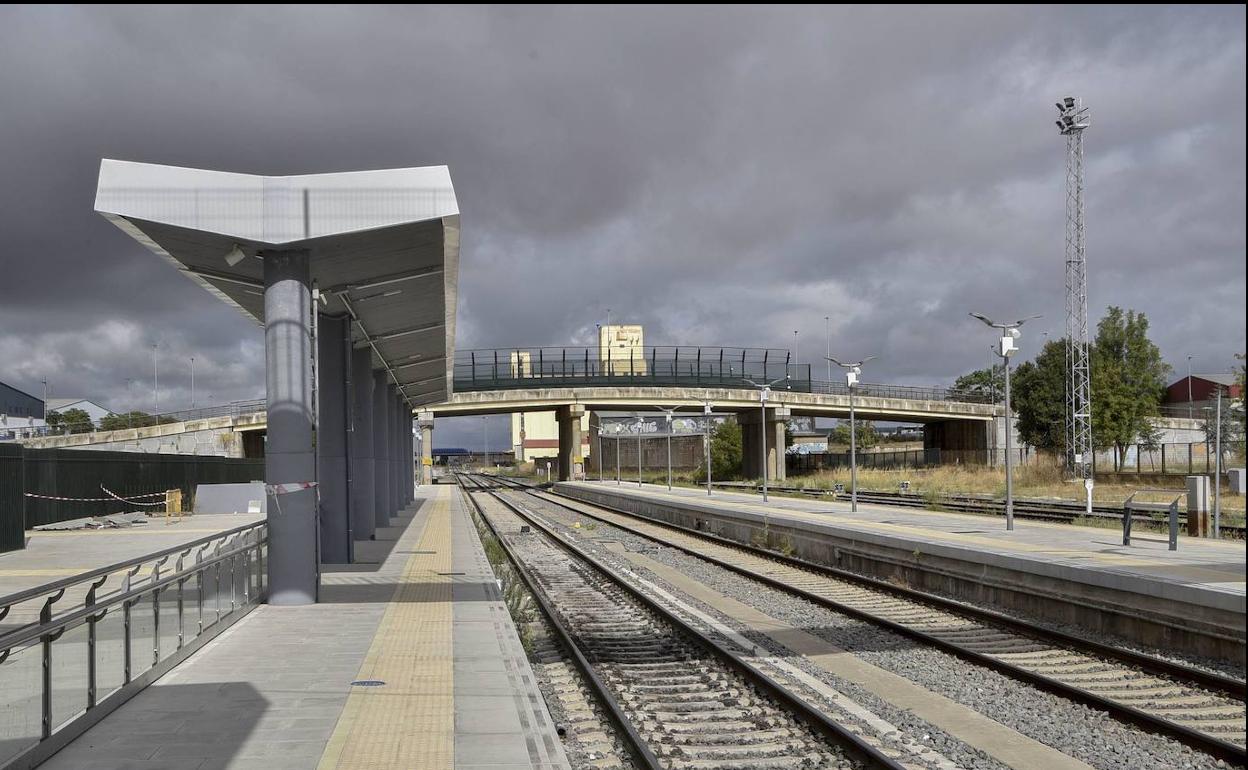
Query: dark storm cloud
{"x": 723, "y": 176}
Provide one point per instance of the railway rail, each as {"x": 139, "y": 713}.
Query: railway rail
{"x": 1196, "y": 707}
{"x": 683, "y": 699}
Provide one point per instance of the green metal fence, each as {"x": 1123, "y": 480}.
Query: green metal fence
{"x": 79, "y": 473}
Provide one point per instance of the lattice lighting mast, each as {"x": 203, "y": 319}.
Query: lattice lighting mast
{"x": 1072, "y": 120}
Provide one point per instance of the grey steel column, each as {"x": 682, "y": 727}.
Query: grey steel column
{"x": 424, "y": 421}
{"x": 288, "y": 452}
{"x": 381, "y": 448}
{"x": 409, "y": 481}
{"x": 331, "y": 440}
{"x": 396, "y": 486}
{"x": 363, "y": 502}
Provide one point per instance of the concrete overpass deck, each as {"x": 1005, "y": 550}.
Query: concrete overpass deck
{"x": 420, "y": 611}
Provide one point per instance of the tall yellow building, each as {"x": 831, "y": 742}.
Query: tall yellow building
{"x": 621, "y": 350}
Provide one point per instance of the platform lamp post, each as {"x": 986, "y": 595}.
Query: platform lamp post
{"x": 1009, "y": 335}
{"x": 852, "y": 370}
{"x": 667, "y": 415}
{"x": 638, "y": 425}
{"x": 764, "y": 390}
{"x": 1189, "y": 387}
{"x": 706, "y": 442}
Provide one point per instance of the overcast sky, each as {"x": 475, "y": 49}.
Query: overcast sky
{"x": 724, "y": 176}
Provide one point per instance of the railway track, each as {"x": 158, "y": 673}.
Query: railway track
{"x": 684, "y": 700}
{"x": 1199, "y": 708}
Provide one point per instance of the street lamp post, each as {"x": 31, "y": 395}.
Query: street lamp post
{"x": 1009, "y": 335}
{"x": 852, "y": 370}
{"x": 763, "y": 391}
{"x": 485, "y": 444}
{"x": 1217, "y": 469}
{"x": 827, "y": 324}
{"x": 706, "y": 443}
{"x": 192, "y": 382}
{"x": 667, "y": 414}
{"x": 638, "y": 425}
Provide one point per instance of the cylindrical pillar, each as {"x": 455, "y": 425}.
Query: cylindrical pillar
{"x": 396, "y": 486}
{"x": 331, "y": 440}
{"x": 425, "y": 423}
{"x": 381, "y": 448}
{"x": 289, "y": 458}
{"x": 363, "y": 485}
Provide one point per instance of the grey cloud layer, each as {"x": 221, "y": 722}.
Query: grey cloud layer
{"x": 724, "y": 176}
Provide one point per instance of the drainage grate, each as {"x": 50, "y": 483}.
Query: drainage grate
{"x": 367, "y": 683}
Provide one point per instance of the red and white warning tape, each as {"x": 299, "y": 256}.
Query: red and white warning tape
{"x": 99, "y": 499}
{"x": 285, "y": 489}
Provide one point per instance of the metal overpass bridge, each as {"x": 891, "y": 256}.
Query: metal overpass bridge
{"x": 571, "y": 381}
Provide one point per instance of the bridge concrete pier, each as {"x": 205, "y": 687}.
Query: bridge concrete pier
{"x": 569, "y": 419}
{"x": 381, "y": 449}
{"x": 753, "y": 430}
{"x": 289, "y": 457}
{"x": 363, "y": 483}
{"x": 333, "y": 341}
{"x": 424, "y": 421}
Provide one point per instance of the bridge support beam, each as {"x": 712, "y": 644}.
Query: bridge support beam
{"x": 424, "y": 421}
{"x": 333, "y": 339}
{"x": 569, "y": 419}
{"x": 363, "y": 490}
{"x": 753, "y": 429}
{"x": 381, "y": 448}
{"x": 289, "y": 458}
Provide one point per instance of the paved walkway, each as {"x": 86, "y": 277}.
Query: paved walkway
{"x": 274, "y": 692}
{"x": 1201, "y": 564}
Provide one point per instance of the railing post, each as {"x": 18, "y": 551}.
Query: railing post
{"x": 91, "y": 636}
{"x": 586, "y": 372}
{"x": 563, "y": 363}
{"x": 541, "y": 364}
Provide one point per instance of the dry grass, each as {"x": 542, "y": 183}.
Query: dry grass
{"x": 1039, "y": 480}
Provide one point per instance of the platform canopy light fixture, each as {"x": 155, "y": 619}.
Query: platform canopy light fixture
{"x": 852, "y": 370}
{"x": 234, "y": 256}
{"x": 1009, "y": 335}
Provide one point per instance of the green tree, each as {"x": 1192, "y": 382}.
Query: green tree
{"x": 1038, "y": 398}
{"x": 128, "y": 420}
{"x": 864, "y": 432}
{"x": 988, "y": 383}
{"x": 725, "y": 452}
{"x": 70, "y": 421}
{"x": 1128, "y": 379}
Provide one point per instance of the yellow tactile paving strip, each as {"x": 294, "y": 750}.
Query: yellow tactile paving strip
{"x": 409, "y": 722}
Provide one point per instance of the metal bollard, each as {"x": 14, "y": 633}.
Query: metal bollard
{"x": 1126, "y": 523}
{"x": 1174, "y": 525}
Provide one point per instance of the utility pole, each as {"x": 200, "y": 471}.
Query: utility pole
{"x": 1072, "y": 120}
{"x": 706, "y": 443}
{"x": 1217, "y": 471}
{"x": 45, "y": 402}
{"x": 192, "y": 382}
{"x": 155, "y": 384}
{"x": 1189, "y": 387}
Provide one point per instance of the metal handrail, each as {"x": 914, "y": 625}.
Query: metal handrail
{"x": 163, "y": 640}
{"x": 18, "y": 636}
{"x": 82, "y": 577}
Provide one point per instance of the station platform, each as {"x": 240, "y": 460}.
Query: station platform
{"x": 1191, "y": 600}
{"x": 410, "y": 661}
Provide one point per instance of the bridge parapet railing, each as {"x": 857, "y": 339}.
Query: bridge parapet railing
{"x": 911, "y": 392}
{"x": 670, "y": 366}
